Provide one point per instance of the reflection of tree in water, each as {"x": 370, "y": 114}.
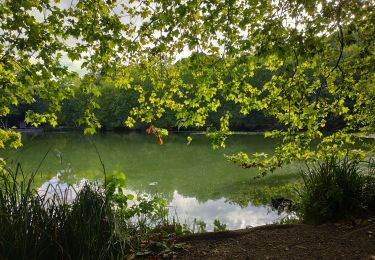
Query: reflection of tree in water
{"x": 261, "y": 191}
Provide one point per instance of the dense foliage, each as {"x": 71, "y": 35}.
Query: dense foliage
{"x": 320, "y": 55}
{"x": 88, "y": 221}
{"x": 115, "y": 104}
{"x": 336, "y": 189}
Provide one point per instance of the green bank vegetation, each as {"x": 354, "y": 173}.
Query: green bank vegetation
{"x": 337, "y": 188}
{"x": 90, "y": 221}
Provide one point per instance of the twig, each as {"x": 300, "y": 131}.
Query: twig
{"x": 101, "y": 162}
{"x": 41, "y": 162}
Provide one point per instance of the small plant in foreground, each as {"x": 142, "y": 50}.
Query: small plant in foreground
{"x": 218, "y": 226}
{"x": 200, "y": 225}
{"x": 336, "y": 189}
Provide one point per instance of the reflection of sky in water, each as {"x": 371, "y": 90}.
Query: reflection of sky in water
{"x": 235, "y": 217}
{"x": 55, "y": 186}
{"x": 186, "y": 209}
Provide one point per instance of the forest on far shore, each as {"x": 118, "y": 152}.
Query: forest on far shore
{"x": 115, "y": 105}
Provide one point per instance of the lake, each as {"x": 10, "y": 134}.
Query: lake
{"x": 196, "y": 180}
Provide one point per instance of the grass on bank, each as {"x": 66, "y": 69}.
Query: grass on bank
{"x": 97, "y": 222}
{"x": 328, "y": 191}
{"x": 336, "y": 189}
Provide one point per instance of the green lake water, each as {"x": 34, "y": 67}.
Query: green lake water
{"x": 196, "y": 180}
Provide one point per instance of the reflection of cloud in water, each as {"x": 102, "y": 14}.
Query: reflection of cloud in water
{"x": 186, "y": 209}
{"x": 56, "y": 187}
{"x": 235, "y": 217}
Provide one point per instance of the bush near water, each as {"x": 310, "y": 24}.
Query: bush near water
{"x": 336, "y": 189}
{"x": 97, "y": 222}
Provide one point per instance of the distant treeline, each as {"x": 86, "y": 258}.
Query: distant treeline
{"x": 115, "y": 104}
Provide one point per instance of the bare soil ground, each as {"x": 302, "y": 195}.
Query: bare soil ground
{"x": 350, "y": 240}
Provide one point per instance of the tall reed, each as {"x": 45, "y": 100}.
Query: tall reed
{"x": 52, "y": 225}
{"x": 336, "y": 189}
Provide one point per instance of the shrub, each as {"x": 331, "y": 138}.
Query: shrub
{"x": 218, "y": 226}
{"x": 96, "y": 223}
{"x": 336, "y": 189}
{"x": 369, "y": 188}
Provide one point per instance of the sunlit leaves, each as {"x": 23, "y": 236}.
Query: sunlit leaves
{"x": 30, "y": 55}
{"x": 218, "y": 137}
{"x": 302, "y": 63}
{"x": 9, "y": 138}
{"x": 115, "y": 183}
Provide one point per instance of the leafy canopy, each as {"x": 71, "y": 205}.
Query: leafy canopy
{"x": 320, "y": 53}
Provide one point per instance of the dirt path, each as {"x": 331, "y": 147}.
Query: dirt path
{"x": 334, "y": 241}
